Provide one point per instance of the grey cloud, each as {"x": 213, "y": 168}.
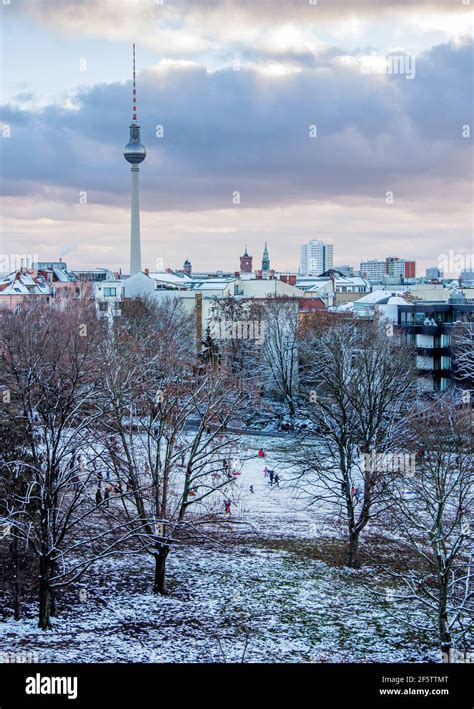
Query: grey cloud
{"x": 229, "y": 130}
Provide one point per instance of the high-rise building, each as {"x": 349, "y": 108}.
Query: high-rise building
{"x": 134, "y": 153}
{"x": 187, "y": 267}
{"x": 265, "y": 259}
{"x": 373, "y": 269}
{"x": 316, "y": 257}
{"x": 376, "y": 270}
{"x": 246, "y": 262}
{"x": 395, "y": 266}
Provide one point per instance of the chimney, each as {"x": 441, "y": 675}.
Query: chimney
{"x": 147, "y": 271}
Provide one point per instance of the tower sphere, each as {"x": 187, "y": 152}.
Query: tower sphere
{"x": 134, "y": 152}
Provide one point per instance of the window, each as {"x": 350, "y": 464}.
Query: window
{"x": 445, "y": 363}
{"x": 108, "y": 292}
{"x": 443, "y": 384}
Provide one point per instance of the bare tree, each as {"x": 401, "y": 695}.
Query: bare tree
{"x": 280, "y": 349}
{"x": 49, "y": 365}
{"x": 236, "y": 326}
{"x": 463, "y": 350}
{"x": 165, "y": 443}
{"x": 432, "y": 513}
{"x": 14, "y": 446}
{"x": 356, "y": 385}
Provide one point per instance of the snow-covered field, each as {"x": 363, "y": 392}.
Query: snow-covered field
{"x": 228, "y": 602}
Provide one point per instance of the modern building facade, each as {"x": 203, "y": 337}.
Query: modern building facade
{"x": 373, "y": 269}
{"x": 400, "y": 267}
{"x": 316, "y": 257}
{"x": 428, "y": 327}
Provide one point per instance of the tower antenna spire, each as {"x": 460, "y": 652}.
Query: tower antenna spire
{"x": 134, "y": 90}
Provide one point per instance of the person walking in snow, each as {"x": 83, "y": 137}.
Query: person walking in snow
{"x": 106, "y": 496}
{"x": 271, "y": 474}
{"x": 227, "y": 505}
{"x": 277, "y": 480}
{"x": 261, "y": 453}
{"x": 98, "y": 497}
{"x": 265, "y": 472}
{"x": 251, "y": 489}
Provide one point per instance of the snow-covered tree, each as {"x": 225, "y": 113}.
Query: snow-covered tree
{"x": 462, "y": 343}
{"x": 236, "y": 326}
{"x": 356, "y": 384}
{"x": 164, "y": 422}
{"x": 49, "y": 366}
{"x": 280, "y": 349}
{"x": 432, "y": 513}
{"x": 14, "y": 446}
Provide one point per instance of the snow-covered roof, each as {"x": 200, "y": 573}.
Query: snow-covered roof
{"x": 178, "y": 279}
{"x": 216, "y": 284}
{"x": 379, "y": 296}
{"x": 167, "y": 276}
{"x": 397, "y": 300}
{"x": 351, "y": 281}
{"x": 314, "y": 288}
{"x": 64, "y": 276}
{"x": 23, "y": 283}
{"x": 307, "y": 283}
{"x": 316, "y": 283}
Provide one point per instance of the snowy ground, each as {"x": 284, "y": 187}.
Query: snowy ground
{"x": 228, "y": 602}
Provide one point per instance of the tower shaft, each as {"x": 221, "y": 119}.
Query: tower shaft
{"x": 135, "y": 246}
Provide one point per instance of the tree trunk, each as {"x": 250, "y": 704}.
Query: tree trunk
{"x": 160, "y": 570}
{"x": 353, "y": 551}
{"x": 444, "y": 634}
{"x": 44, "y": 620}
{"x": 16, "y": 578}
{"x": 53, "y": 605}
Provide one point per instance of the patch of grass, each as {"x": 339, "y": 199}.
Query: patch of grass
{"x": 376, "y": 550}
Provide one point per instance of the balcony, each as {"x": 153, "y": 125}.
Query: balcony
{"x": 442, "y": 328}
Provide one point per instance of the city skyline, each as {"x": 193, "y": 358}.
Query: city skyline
{"x": 307, "y": 126}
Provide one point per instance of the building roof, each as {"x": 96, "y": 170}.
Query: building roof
{"x": 24, "y": 283}
{"x": 380, "y": 297}
{"x": 179, "y": 278}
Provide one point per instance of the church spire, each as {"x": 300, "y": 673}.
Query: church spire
{"x": 265, "y": 259}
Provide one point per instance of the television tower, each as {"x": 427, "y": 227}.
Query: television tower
{"x": 134, "y": 153}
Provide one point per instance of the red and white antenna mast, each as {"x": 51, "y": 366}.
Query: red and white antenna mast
{"x": 134, "y": 90}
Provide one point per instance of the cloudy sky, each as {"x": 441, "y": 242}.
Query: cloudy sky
{"x": 316, "y": 112}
